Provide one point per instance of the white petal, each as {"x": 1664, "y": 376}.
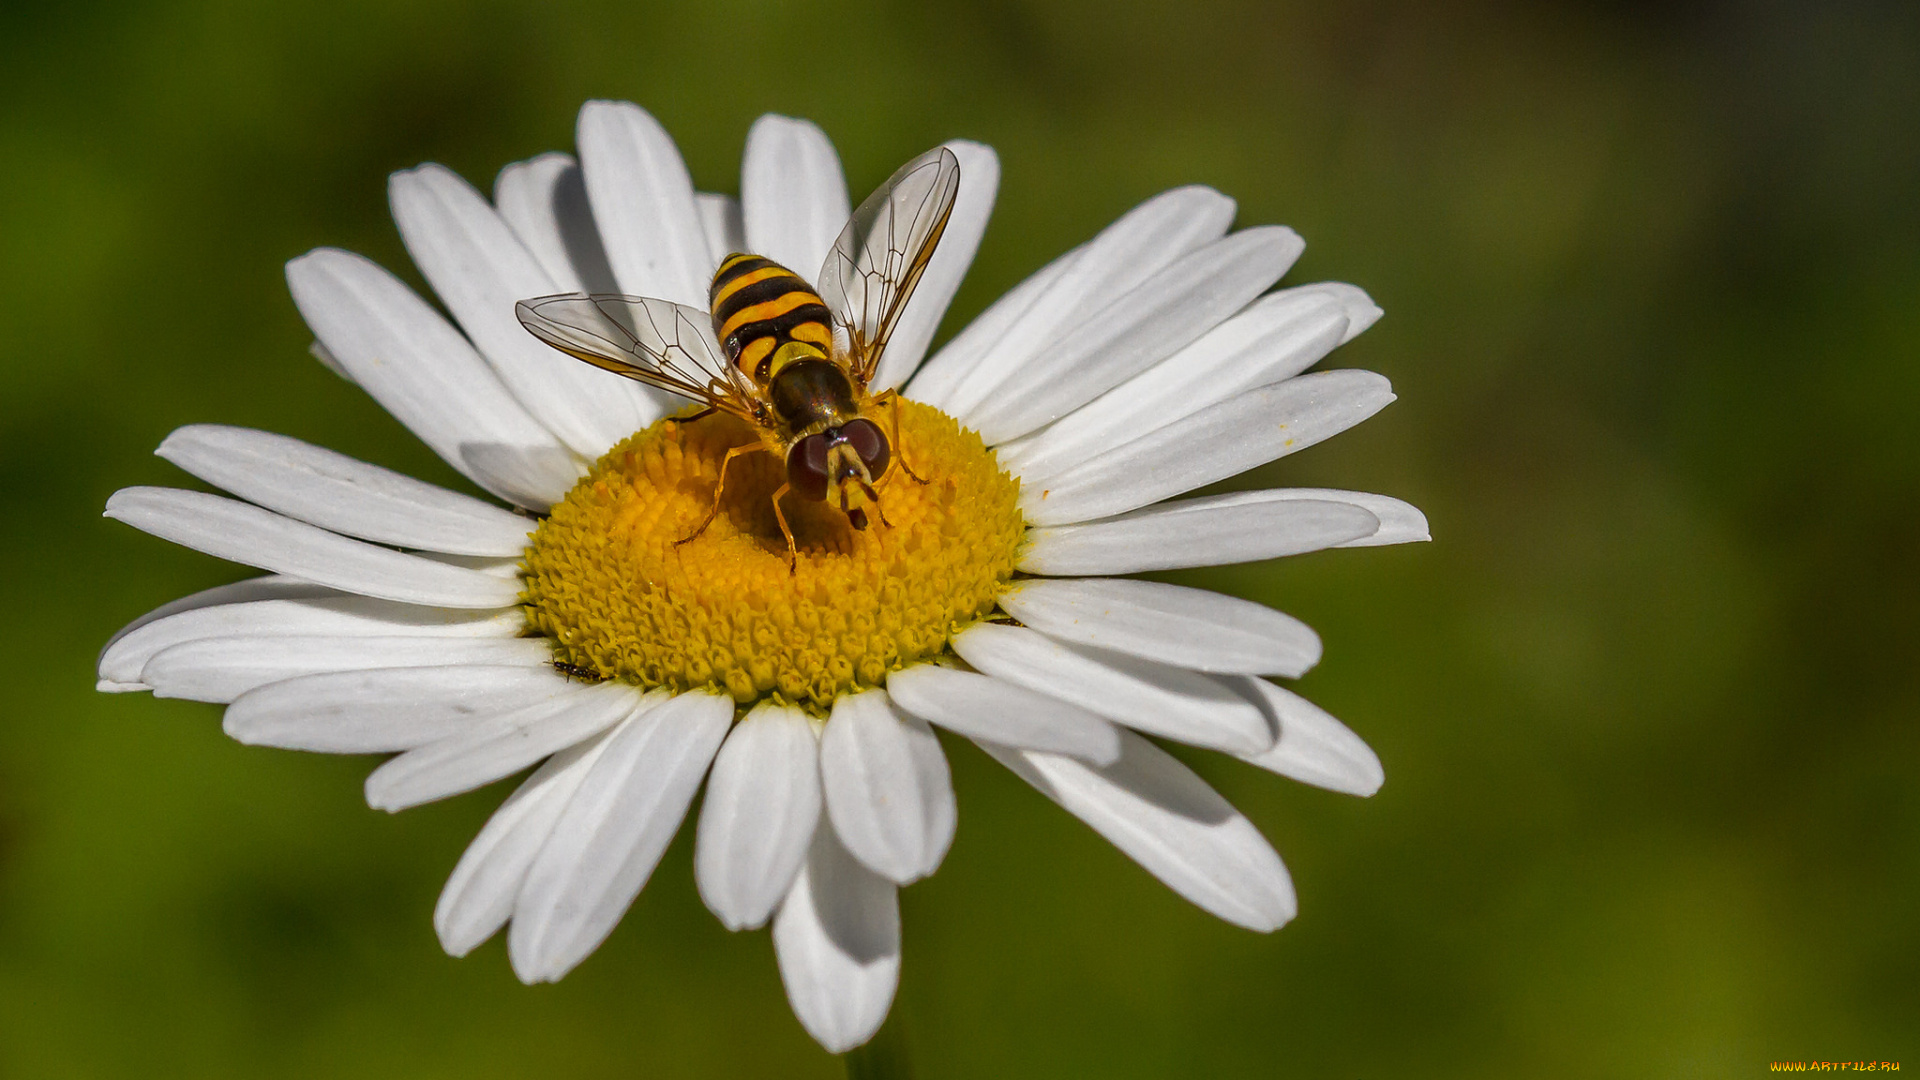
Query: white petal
{"x": 887, "y": 786}
{"x": 544, "y": 201}
{"x": 1314, "y": 748}
{"x": 980, "y": 707}
{"x": 837, "y": 937}
{"x": 423, "y": 372}
{"x": 762, "y": 801}
{"x": 502, "y": 744}
{"x": 504, "y": 569}
{"x": 1179, "y": 704}
{"x": 1147, "y": 324}
{"x": 537, "y": 475}
{"x": 1190, "y": 628}
{"x": 1169, "y": 821}
{"x": 612, "y": 833}
{"x": 343, "y": 494}
{"x": 382, "y": 710}
{"x": 221, "y": 669}
{"x": 1212, "y": 444}
{"x": 480, "y": 269}
{"x": 1212, "y": 531}
{"x": 319, "y": 352}
{"x": 643, "y": 201}
{"x": 119, "y": 666}
{"x": 793, "y": 196}
{"x": 979, "y": 184}
{"x": 940, "y": 378}
{"x": 723, "y": 223}
{"x": 240, "y": 533}
{"x": 1361, "y": 311}
{"x": 1400, "y": 523}
{"x": 479, "y": 896}
{"x": 1147, "y": 239}
{"x": 1277, "y": 337}
{"x": 305, "y": 609}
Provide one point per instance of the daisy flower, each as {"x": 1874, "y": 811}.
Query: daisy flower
{"x": 561, "y": 628}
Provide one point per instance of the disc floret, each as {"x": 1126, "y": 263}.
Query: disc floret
{"x": 609, "y": 586}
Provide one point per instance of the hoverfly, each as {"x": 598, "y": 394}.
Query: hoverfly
{"x": 797, "y": 363}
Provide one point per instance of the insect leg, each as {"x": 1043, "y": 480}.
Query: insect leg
{"x": 721, "y": 486}
{"x": 892, "y": 398}
{"x": 701, "y": 415}
{"x": 793, "y": 552}
{"x": 874, "y": 497}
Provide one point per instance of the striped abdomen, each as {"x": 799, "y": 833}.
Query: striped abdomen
{"x": 766, "y": 316}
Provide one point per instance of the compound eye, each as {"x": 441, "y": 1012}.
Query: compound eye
{"x": 807, "y": 467}
{"x": 867, "y": 441}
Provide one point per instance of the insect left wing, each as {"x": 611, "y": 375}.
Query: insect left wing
{"x": 884, "y": 249}
{"x": 657, "y": 342}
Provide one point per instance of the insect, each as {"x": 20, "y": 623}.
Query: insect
{"x": 575, "y": 671}
{"x": 797, "y": 363}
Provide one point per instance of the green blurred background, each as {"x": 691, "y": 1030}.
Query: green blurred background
{"x": 1647, "y": 705}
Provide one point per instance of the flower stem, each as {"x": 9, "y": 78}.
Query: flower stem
{"x": 883, "y": 1057}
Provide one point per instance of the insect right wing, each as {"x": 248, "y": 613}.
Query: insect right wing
{"x": 657, "y": 342}
{"x": 885, "y": 247}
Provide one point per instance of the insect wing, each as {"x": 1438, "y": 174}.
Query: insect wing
{"x": 657, "y": 342}
{"x": 884, "y": 249}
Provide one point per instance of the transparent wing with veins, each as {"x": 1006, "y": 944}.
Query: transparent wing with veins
{"x": 657, "y": 342}
{"x": 882, "y": 252}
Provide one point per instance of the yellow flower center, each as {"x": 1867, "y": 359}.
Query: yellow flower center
{"x": 619, "y": 599}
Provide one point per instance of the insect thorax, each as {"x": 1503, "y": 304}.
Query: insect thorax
{"x": 808, "y": 395}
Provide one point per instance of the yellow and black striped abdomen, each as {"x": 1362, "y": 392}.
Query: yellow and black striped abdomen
{"x": 766, "y": 316}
